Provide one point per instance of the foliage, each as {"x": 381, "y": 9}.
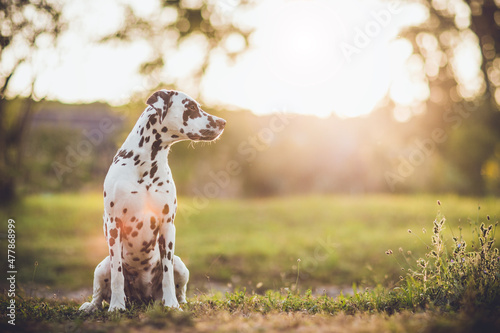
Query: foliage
{"x": 278, "y": 154}
{"x": 27, "y": 26}
{"x": 466, "y": 107}
{"x": 457, "y": 276}
{"x": 208, "y": 23}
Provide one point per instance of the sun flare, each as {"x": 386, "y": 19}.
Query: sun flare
{"x": 306, "y": 58}
{"x": 300, "y": 43}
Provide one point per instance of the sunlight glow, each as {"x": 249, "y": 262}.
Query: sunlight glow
{"x": 315, "y": 57}
{"x": 300, "y": 45}
{"x": 312, "y": 57}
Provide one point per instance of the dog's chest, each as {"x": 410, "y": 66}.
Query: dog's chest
{"x": 143, "y": 205}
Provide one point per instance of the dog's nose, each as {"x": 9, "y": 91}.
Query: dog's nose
{"x": 221, "y": 123}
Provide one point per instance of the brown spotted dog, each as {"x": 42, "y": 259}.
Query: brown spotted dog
{"x": 140, "y": 205}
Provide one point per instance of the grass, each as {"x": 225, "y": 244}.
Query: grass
{"x": 254, "y": 245}
{"x": 244, "y": 312}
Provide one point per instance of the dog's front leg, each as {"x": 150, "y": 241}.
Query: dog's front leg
{"x": 166, "y": 243}
{"x": 115, "y": 254}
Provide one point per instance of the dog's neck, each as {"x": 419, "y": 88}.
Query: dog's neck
{"x": 145, "y": 144}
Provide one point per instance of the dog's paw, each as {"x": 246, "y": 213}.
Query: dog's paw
{"x": 116, "y": 307}
{"x": 88, "y": 307}
{"x": 174, "y": 304}
{"x": 117, "y": 303}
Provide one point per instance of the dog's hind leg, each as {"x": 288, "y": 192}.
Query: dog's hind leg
{"x": 102, "y": 277}
{"x": 181, "y": 278}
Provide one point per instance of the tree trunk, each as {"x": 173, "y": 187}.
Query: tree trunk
{"x": 12, "y": 148}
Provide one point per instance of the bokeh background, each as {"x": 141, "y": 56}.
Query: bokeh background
{"x": 379, "y": 96}
{"x": 344, "y": 98}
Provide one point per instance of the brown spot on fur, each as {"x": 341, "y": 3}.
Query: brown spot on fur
{"x": 153, "y": 223}
{"x": 134, "y": 234}
{"x": 153, "y": 170}
{"x": 170, "y": 245}
{"x": 111, "y": 204}
{"x": 161, "y": 245}
{"x": 191, "y": 110}
{"x": 111, "y": 241}
{"x": 155, "y": 147}
{"x": 166, "y": 209}
{"x": 113, "y": 233}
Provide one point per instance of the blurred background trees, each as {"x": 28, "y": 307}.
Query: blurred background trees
{"x": 30, "y": 27}
{"x": 25, "y": 27}
{"x": 463, "y": 101}
{"x": 274, "y": 156}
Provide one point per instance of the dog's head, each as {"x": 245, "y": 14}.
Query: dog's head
{"x": 182, "y": 117}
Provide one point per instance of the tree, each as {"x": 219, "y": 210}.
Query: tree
{"x": 24, "y": 24}
{"x": 29, "y": 25}
{"x": 208, "y": 23}
{"x": 466, "y": 106}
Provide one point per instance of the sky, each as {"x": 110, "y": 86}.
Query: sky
{"x": 306, "y": 56}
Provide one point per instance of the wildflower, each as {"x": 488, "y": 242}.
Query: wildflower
{"x": 439, "y": 203}
{"x": 488, "y": 217}
{"x": 409, "y": 231}
{"x": 298, "y": 260}
{"x": 423, "y": 230}
{"x": 401, "y": 249}
{"x": 388, "y": 252}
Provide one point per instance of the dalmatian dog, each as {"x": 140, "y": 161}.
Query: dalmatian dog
{"x": 140, "y": 206}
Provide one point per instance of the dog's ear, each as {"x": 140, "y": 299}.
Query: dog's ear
{"x": 160, "y": 101}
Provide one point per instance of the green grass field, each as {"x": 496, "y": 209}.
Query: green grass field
{"x": 253, "y": 244}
